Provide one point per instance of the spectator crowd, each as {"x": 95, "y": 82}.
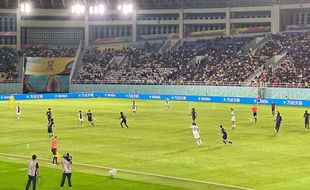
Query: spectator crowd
{"x": 294, "y": 70}
{"x": 212, "y": 62}
{"x": 9, "y": 61}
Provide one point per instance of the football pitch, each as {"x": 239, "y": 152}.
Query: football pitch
{"x": 158, "y": 151}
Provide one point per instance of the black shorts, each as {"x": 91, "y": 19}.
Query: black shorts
{"x": 307, "y": 122}
{"x": 54, "y": 151}
{"x": 255, "y": 114}
{"x": 224, "y": 137}
{"x": 90, "y": 120}
{"x": 124, "y": 121}
{"x": 49, "y": 130}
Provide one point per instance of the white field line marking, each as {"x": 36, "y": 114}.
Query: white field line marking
{"x": 20, "y": 169}
{"x": 142, "y": 173}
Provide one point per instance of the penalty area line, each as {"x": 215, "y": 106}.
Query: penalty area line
{"x": 142, "y": 173}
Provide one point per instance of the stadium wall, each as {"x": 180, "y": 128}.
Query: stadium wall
{"x": 11, "y": 88}
{"x": 288, "y": 93}
{"x": 203, "y": 98}
{"x": 224, "y": 91}
{"x": 169, "y": 89}
{"x": 277, "y": 93}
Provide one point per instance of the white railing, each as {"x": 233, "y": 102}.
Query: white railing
{"x": 139, "y": 82}
{"x": 10, "y": 81}
{"x": 196, "y": 83}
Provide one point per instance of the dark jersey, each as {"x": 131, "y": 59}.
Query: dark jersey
{"x": 273, "y": 106}
{"x": 49, "y": 114}
{"x": 123, "y": 117}
{"x": 224, "y": 133}
{"x": 194, "y": 114}
{"x": 89, "y": 116}
{"x": 50, "y": 127}
{"x": 306, "y": 116}
{"x": 279, "y": 119}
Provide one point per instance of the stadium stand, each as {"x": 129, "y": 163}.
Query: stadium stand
{"x": 8, "y": 65}
{"x": 294, "y": 70}
{"x": 49, "y": 52}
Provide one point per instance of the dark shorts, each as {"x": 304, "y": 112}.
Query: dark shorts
{"x": 255, "y": 114}
{"x": 54, "y": 151}
{"x": 49, "y": 130}
{"x": 124, "y": 121}
{"x": 193, "y": 118}
{"x": 224, "y": 137}
{"x": 90, "y": 119}
{"x": 306, "y": 122}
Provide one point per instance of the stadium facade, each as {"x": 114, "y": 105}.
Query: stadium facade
{"x": 55, "y": 25}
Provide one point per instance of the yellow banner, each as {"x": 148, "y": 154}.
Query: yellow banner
{"x": 48, "y": 66}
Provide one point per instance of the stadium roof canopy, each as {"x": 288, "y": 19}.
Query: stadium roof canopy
{"x": 149, "y": 4}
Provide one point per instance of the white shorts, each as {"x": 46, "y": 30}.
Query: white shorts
{"x": 81, "y": 119}
{"x": 18, "y": 113}
{"x": 196, "y": 135}
{"x": 134, "y": 110}
{"x": 233, "y": 119}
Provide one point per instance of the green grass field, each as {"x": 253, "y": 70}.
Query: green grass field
{"x": 159, "y": 143}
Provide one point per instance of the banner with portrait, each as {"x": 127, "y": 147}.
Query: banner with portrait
{"x": 47, "y": 75}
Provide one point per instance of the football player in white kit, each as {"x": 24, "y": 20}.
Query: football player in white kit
{"x": 167, "y": 102}
{"x": 233, "y": 118}
{"x": 80, "y": 116}
{"x": 134, "y": 108}
{"x": 196, "y": 133}
{"x": 18, "y": 111}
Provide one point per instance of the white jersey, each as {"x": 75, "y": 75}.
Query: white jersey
{"x": 80, "y": 116}
{"x": 195, "y": 131}
{"x": 18, "y": 111}
{"x": 167, "y": 102}
{"x": 134, "y": 108}
{"x": 232, "y": 114}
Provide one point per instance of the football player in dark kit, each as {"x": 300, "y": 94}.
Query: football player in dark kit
{"x": 50, "y": 127}
{"x": 124, "y": 121}
{"x": 90, "y": 118}
{"x": 273, "y": 108}
{"x": 278, "y": 122}
{"x": 49, "y": 114}
{"x": 194, "y": 115}
{"x": 306, "y": 116}
{"x": 224, "y": 135}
